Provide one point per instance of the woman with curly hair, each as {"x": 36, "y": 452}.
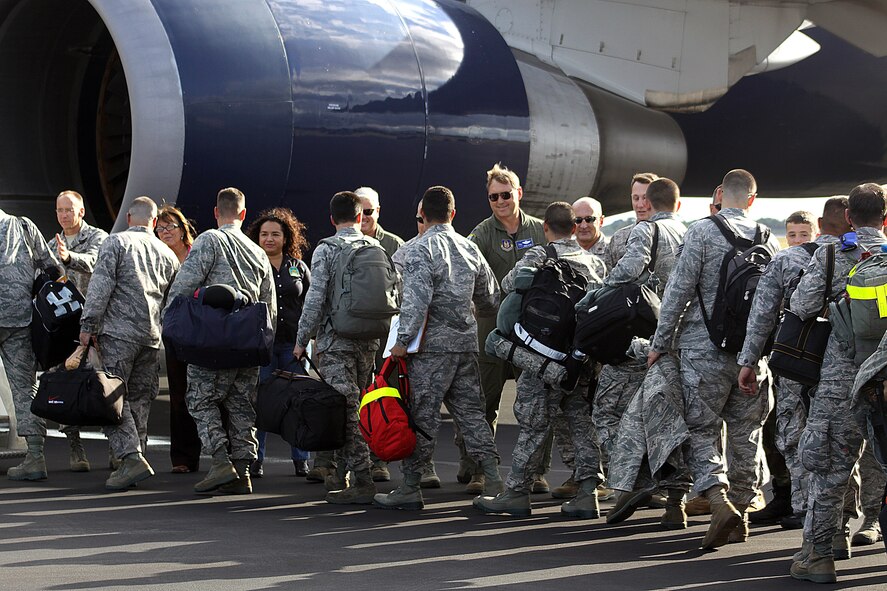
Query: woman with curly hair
{"x": 177, "y": 232}
{"x": 282, "y": 236}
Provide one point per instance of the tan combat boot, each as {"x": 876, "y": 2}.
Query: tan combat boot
{"x": 243, "y": 485}
{"x": 134, "y": 468}
{"x": 407, "y": 496}
{"x": 492, "y": 480}
{"x": 674, "y": 516}
{"x": 360, "y": 492}
{"x": 567, "y": 490}
{"x": 740, "y": 532}
{"x": 627, "y": 502}
{"x": 511, "y": 502}
{"x": 585, "y": 505}
{"x": 78, "y": 460}
{"x": 724, "y": 518}
{"x": 815, "y": 568}
{"x": 220, "y": 472}
{"x": 34, "y": 466}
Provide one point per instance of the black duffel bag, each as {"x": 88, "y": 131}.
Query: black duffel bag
{"x": 216, "y": 336}
{"x": 800, "y": 344}
{"x": 55, "y": 320}
{"x": 305, "y": 411}
{"x": 615, "y": 315}
{"x": 84, "y": 396}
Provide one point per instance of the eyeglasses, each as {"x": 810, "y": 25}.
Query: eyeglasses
{"x": 589, "y": 219}
{"x": 64, "y": 210}
{"x": 369, "y": 212}
{"x": 717, "y": 206}
{"x": 420, "y": 219}
{"x": 504, "y": 196}
{"x": 168, "y": 228}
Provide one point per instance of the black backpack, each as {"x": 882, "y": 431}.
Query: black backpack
{"x": 741, "y": 269}
{"x": 548, "y": 311}
{"x": 616, "y": 315}
{"x": 55, "y": 320}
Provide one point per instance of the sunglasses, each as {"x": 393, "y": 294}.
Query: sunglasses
{"x": 717, "y": 206}
{"x": 419, "y": 220}
{"x": 589, "y": 219}
{"x": 504, "y": 196}
{"x": 369, "y": 212}
{"x": 168, "y": 228}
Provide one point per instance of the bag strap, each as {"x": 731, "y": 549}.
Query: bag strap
{"x": 654, "y": 248}
{"x": 317, "y": 371}
{"x": 810, "y": 247}
{"x": 232, "y": 262}
{"x": 728, "y": 232}
{"x": 551, "y": 251}
{"x": 829, "y": 276}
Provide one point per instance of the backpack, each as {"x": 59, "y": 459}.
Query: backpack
{"x": 364, "y": 294}
{"x": 616, "y": 315}
{"x": 384, "y": 414}
{"x": 55, "y": 320}
{"x": 867, "y": 292}
{"x": 799, "y": 346}
{"x": 548, "y": 307}
{"x": 741, "y": 269}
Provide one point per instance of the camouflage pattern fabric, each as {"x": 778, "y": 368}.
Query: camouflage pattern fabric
{"x": 23, "y": 252}
{"x": 211, "y": 390}
{"x": 453, "y": 379}
{"x": 791, "y": 416}
{"x": 525, "y": 359}
{"x": 535, "y": 407}
{"x": 617, "y": 245}
{"x": 128, "y": 286}
{"x": 617, "y": 385}
{"x": 139, "y": 366}
{"x": 20, "y": 365}
{"x": 632, "y": 266}
{"x": 83, "y": 252}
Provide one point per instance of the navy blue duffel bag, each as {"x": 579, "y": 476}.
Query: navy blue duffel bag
{"x": 219, "y": 329}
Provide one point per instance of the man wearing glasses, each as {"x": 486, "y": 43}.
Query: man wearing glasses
{"x": 77, "y": 248}
{"x": 589, "y": 219}
{"x": 369, "y": 200}
{"x": 503, "y": 238}
{"x": 369, "y": 226}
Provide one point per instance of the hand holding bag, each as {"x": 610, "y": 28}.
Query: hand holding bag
{"x": 85, "y": 396}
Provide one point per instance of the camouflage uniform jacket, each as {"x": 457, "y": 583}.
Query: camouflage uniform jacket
{"x": 24, "y": 251}
{"x": 698, "y": 264}
{"x": 837, "y": 363}
{"x": 599, "y": 249}
{"x": 82, "y": 254}
{"x": 390, "y": 242}
{"x": 316, "y": 309}
{"x": 773, "y": 287}
{"x": 400, "y": 256}
{"x": 130, "y": 280}
{"x": 618, "y": 245}
{"x": 567, "y": 249}
{"x": 208, "y": 263}
{"x": 443, "y": 274}
{"x": 632, "y": 267}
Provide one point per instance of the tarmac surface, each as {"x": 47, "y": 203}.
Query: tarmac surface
{"x": 67, "y": 533}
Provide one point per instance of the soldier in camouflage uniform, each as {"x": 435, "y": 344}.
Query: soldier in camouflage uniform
{"x": 619, "y": 241}
{"x": 832, "y": 440}
{"x": 774, "y": 287}
{"x": 503, "y": 238}
{"x": 346, "y": 364}
{"x": 647, "y": 453}
{"x": 444, "y": 274}
{"x": 209, "y": 390}
{"x": 369, "y": 226}
{"x": 617, "y": 384}
{"x": 709, "y": 374}
{"x": 24, "y": 253}
{"x": 122, "y": 314}
{"x": 77, "y": 248}
{"x": 536, "y": 403}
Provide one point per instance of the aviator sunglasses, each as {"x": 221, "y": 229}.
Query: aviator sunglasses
{"x": 504, "y": 196}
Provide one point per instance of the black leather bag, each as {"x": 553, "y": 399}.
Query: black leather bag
{"x": 85, "y": 396}
{"x": 55, "y": 320}
{"x": 800, "y": 344}
{"x": 217, "y": 338}
{"x": 305, "y": 411}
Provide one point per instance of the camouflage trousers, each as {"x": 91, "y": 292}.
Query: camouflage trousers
{"x": 617, "y": 385}
{"x": 563, "y": 439}
{"x": 535, "y": 407}
{"x": 349, "y": 373}
{"x": 139, "y": 366}
{"x": 711, "y": 400}
{"x": 873, "y": 482}
{"x": 791, "y": 416}
{"x": 454, "y": 379}
{"x": 20, "y": 365}
{"x": 830, "y": 447}
{"x": 211, "y": 390}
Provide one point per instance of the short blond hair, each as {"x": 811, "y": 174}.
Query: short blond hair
{"x": 501, "y": 174}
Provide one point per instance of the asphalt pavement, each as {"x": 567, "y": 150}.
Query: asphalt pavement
{"x": 67, "y": 533}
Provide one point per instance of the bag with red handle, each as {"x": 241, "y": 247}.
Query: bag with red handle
{"x": 384, "y": 415}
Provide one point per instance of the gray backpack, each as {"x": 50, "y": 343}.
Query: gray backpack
{"x": 364, "y": 293}
{"x": 867, "y": 305}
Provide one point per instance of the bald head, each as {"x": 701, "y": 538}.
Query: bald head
{"x": 142, "y": 212}
{"x": 590, "y": 215}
